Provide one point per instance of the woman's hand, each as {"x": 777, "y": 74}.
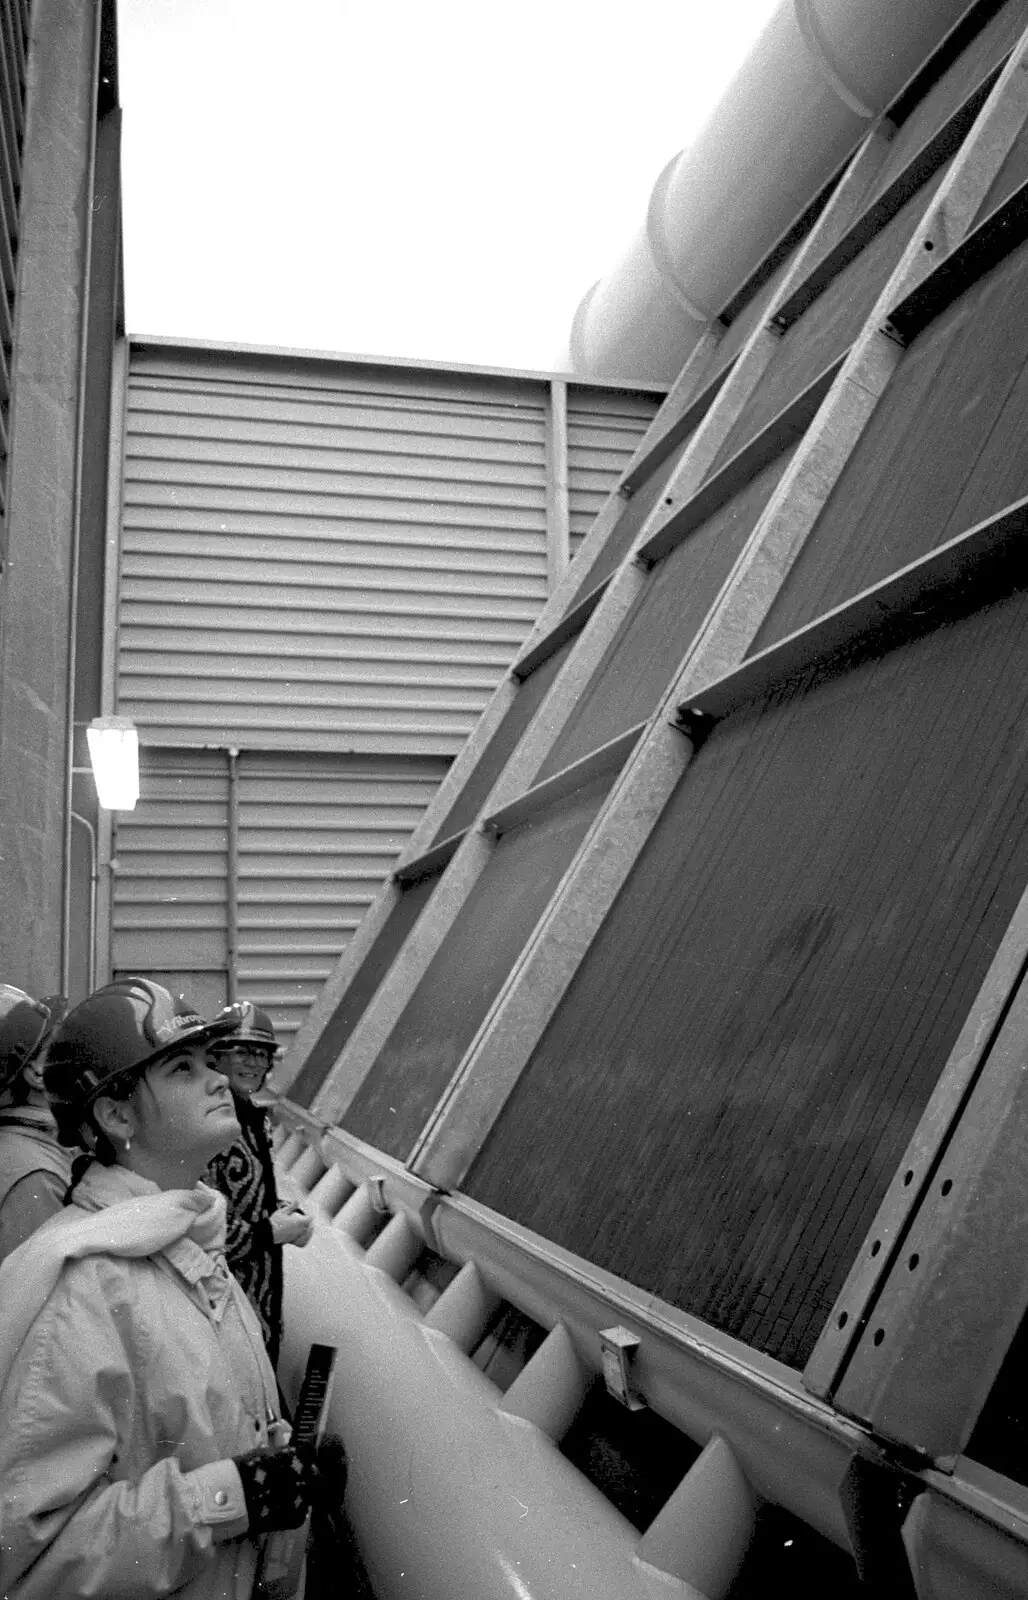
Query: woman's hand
{"x": 291, "y": 1224}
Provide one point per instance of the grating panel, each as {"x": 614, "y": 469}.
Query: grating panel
{"x": 332, "y": 1039}
{"x": 1011, "y": 175}
{"x": 437, "y": 1026}
{"x": 943, "y": 451}
{"x": 653, "y": 638}
{"x": 732, "y": 1077}
{"x": 831, "y": 324}
{"x": 501, "y": 746}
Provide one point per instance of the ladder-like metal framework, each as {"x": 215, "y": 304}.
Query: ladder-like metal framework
{"x": 814, "y": 565}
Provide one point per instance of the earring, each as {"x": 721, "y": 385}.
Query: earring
{"x": 128, "y": 1146}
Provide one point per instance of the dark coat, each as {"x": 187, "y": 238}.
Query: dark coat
{"x": 246, "y": 1177}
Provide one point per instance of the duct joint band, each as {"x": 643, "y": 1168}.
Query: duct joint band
{"x": 810, "y": 30}
{"x": 656, "y": 238}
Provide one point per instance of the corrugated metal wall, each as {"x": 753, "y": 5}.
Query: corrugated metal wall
{"x": 321, "y": 555}
{"x": 326, "y": 565}
{"x": 315, "y": 838}
{"x": 171, "y": 866}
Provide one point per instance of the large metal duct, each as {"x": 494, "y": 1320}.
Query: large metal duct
{"x": 819, "y": 73}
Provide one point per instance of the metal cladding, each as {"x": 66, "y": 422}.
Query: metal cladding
{"x": 326, "y": 566}
{"x": 820, "y": 73}
{"x": 333, "y": 555}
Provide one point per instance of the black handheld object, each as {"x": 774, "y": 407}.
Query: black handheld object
{"x": 282, "y": 1559}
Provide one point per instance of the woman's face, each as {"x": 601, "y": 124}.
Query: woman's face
{"x": 245, "y": 1067}
{"x": 183, "y": 1110}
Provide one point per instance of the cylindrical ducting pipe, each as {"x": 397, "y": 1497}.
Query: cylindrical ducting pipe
{"x": 818, "y": 75}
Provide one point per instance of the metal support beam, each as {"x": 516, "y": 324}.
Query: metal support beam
{"x": 558, "y": 509}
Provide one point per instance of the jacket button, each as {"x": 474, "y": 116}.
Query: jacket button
{"x": 220, "y": 1498}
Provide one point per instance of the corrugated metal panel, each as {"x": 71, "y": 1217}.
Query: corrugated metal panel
{"x": 325, "y": 555}
{"x": 317, "y": 837}
{"x": 13, "y": 46}
{"x": 169, "y": 911}
{"x": 604, "y": 431}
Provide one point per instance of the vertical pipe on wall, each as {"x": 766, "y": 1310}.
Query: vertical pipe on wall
{"x": 232, "y": 876}
{"x": 105, "y": 863}
{"x": 558, "y": 514}
{"x": 84, "y": 822}
{"x": 76, "y": 517}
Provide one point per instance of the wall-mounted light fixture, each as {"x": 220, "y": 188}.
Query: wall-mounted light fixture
{"x": 114, "y": 757}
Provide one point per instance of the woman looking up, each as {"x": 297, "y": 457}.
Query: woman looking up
{"x": 139, "y": 1440}
{"x": 258, "y": 1226}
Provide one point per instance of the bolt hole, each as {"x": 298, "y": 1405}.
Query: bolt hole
{"x": 668, "y": 500}
{"x": 844, "y": 1317}
{"x": 879, "y": 1335}
{"x": 908, "y": 1178}
{"x": 876, "y": 1247}
{"x": 947, "y": 1186}
{"x": 929, "y": 245}
{"x": 912, "y": 1263}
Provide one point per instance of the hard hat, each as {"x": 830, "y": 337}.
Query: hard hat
{"x": 129, "y": 1023}
{"x": 23, "y": 1027}
{"x": 246, "y": 1024}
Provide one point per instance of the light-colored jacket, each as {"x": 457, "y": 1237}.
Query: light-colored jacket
{"x": 131, "y": 1370}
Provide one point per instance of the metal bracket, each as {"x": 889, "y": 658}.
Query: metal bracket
{"x": 695, "y": 724}
{"x": 618, "y": 1348}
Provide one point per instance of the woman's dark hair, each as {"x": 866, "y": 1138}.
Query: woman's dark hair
{"x": 96, "y": 1145}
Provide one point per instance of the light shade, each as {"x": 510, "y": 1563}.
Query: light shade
{"x": 114, "y": 757}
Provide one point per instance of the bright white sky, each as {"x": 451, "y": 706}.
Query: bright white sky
{"x": 435, "y": 179}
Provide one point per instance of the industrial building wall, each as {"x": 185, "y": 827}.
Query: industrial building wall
{"x": 326, "y": 566}
{"x": 60, "y": 239}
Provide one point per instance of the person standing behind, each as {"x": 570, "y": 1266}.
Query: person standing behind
{"x": 258, "y": 1224}
{"x": 34, "y": 1169}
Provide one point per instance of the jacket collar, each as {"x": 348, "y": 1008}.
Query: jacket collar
{"x": 193, "y": 1253}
